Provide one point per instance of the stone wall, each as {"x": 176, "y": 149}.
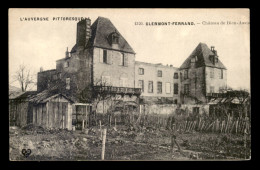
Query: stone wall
{"x": 166, "y": 109}
{"x": 216, "y": 82}
{"x": 196, "y": 81}
{"x": 108, "y": 104}
{"x": 113, "y": 69}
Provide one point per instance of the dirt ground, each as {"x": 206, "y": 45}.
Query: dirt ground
{"x": 124, "y": 143}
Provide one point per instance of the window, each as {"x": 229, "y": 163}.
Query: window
{"x": 66, "y": 64}
{"x": 159, "y": 73}
{"x": 176, "y": 76}
{"x": 196, "y": 58}
{"x": 186, "y": 76}
{"x": 186, "y": 89}
{"x": 211, "y": 89}
{"x": 123, "y": 82}
{"x": 141, "y": 84}
{"x": 221, "y": 74}
{"x": 141, "y": 71}
{"x": 159, "y": 87}
{"x": 150, "y": 87}
{"x": 195, "y": 110}
{"x": 67, "y": 83}
{"x": 176, "y": 88}
{"x": 211, "y": 72}
{"x": 168, "y": 87}
{"x": 105, "y": 80}
{"x": 122, "y": 59}
{"x": 104, "y": 56}
{"x": 115, "y": 38}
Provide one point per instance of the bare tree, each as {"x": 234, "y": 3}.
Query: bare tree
{"x": 25, "y": 77}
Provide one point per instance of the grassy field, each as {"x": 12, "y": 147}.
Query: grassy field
{"x": 124, "y": 143}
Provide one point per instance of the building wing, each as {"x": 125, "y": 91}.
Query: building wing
{"x": 203, "y": 54}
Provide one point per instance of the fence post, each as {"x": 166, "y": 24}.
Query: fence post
{"x": 199, "y": 124}
{"x": 100, "y": 129}
{"x": 82, "y": 125}
{"x": 103, "y": 144}
{"x": 185, "y": 126}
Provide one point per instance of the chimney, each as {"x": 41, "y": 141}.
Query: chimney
{"x": 67, "y": 54}
{"x": 215, "y": 52}
{"x": 212, "y": 48}
{"x": 41, "y": 69}
{"x": 83, "y": 32}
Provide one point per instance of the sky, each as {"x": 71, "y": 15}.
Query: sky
{"x": 40, "y": 43}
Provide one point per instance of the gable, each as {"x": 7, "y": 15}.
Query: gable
{"x": 101, "y": 30}
{"x": 203, "y": 54}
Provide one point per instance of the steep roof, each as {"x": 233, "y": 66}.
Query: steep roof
{"x": 100, "y": 30}
{"x": 202, "y": 52}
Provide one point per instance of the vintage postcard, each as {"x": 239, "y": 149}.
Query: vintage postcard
{"x": 129, "y": 84}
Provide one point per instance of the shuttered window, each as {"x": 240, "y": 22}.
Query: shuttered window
{"x": 186, "y": 88}
{"x": 109, "y": 57}
{"x": 67, "y": 83}
{"x": 186, "y": 74}
{"x": 150, "y": 87}
{"x": 168, "y": 88}
{"x": 211, "y": 72}
{"x": 176, "y": 76}
{"x": 104, "y": 56}
{"x": 212, "y": 89}
{"x": 101, "y": 55}
{"x": 159, "y": 87}
{"x": 176, "y": 88}
{"x": 125, "y": 60}
{"x": 159, "y": 73}
{"x": 141, "y": 71}
{"x": 141, "y": 84}
{"x": 123, "y": 82}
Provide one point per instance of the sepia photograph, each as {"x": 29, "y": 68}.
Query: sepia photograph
{"x": 151, "y": 84}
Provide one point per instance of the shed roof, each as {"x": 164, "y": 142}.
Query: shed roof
{"x": 41, "y": 97}
{"x": 100, "y": 30}
{"x": 202, "y": 52}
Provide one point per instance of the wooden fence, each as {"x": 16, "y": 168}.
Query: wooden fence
{"x": 201, "y": 124}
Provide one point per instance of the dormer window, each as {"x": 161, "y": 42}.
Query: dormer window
{"x": 216, "y": 59}
{"x": 192, "y": 60}
{"x": 113, "y": 38}
{"x": 212, "y": 59}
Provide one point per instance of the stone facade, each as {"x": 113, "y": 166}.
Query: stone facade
{"x": 148, "y": 74}
{"x": 113, "y": 71}
{"x": 218, "y": 82}
{"x": 102, "y": 55}
{"x": 93, "y": 61}
{"x": 202, "y": 74}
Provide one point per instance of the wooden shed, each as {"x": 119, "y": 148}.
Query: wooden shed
{"x": 48, "y": 109}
